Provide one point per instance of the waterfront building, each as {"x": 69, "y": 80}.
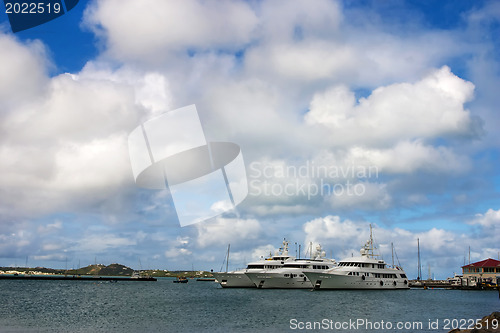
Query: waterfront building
{"x": 482, "y": 271}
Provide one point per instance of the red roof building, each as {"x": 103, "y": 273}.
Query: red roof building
{"x": 484, "y": 269}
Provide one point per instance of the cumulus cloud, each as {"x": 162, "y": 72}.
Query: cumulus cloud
{"x": 227, "y": 230}
{"x": 162, "y": 27}
{"x": 66, "y": 142}
{"x": 101, "y": 242}
{"x": 22, "y": 70}
{"x": 409, "y": 157}
{"x": 432, "y": 107}
{"x": 179, "y": 248}
{"x": 362, "y": 195}
{"x": 490, "y": 218}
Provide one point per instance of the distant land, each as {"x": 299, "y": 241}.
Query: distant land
{"x": 102, "y": 270}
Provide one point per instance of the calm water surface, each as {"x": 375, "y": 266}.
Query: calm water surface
{"x": 163, "y": 306}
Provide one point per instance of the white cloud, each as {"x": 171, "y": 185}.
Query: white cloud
{"x": 330, "y": 229}
{"x": 304, "y": 61}
{"x": 51, "y": 257}
{"x": 362, "y": 195}
{"x": 489, "y": 219}
{"x": 162, "y": 27}
{"x": 409, "y": 157}
{"x": 65, "y": 144}
{"x": 179, "y": 248}
{"x": 227, "y": 230}
{"x": 430, "y": 108}
{"x": 22, "y": 71}
{"x": 100, "y": 242}
{"x": 50, "y": 227}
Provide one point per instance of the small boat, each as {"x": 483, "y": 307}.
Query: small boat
{"x": 181, "y": 280}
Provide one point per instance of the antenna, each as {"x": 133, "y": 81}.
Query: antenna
{"x": 469, "y": 254}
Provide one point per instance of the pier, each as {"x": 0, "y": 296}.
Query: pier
{"x": 76, "y": 278}
{"x": 447, "y": 284}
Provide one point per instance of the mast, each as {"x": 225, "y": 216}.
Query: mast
{"x": 392, "y": 250}
{"x": 371, "y": 247}
{"x": 227, "y": 259}
{"x": 419, "y": 265}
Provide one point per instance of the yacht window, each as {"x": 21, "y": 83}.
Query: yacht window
{"x": 301, "y": 275}
{"x": 287, "y": 275}
{"x": 403, "y": 276}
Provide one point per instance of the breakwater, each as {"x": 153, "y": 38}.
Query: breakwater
{"x": 76, "y": 278}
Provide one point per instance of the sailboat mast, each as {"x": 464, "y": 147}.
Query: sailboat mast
{"x": 419, "y": 265}
{"x": 227, "y": 259}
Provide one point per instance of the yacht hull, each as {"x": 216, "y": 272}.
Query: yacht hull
{"x": 278, "y": 281}
{"x": 336, "y": 281}
{"x": 233, "y": 280}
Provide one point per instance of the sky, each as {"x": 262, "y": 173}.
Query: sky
{"x": 347, "y": 113}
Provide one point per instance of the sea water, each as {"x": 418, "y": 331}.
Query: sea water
{"x": 163, "y": 306}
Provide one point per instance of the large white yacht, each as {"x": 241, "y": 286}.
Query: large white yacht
{"x": 363, "y": 272}
{"x": 291, "y": 274}
{"x": 239, "y": 279}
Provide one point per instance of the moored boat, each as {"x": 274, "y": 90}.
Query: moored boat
{"x": 239, "y": 279}
{"x": 292, "y": 274}
{"x": 181, "y": 279}
{"x": 363, "y": 272}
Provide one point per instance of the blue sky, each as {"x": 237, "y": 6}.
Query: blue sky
{"x": 406, "y": 88}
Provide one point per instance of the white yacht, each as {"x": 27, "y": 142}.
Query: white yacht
{"x": 239, "y": 279}
{"x": 291, "y": 274}
{"x": 363, "y": 272}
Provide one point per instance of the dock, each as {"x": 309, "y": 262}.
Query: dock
{"x": 447, "y": 284}
{"x": 75, "y": 278}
